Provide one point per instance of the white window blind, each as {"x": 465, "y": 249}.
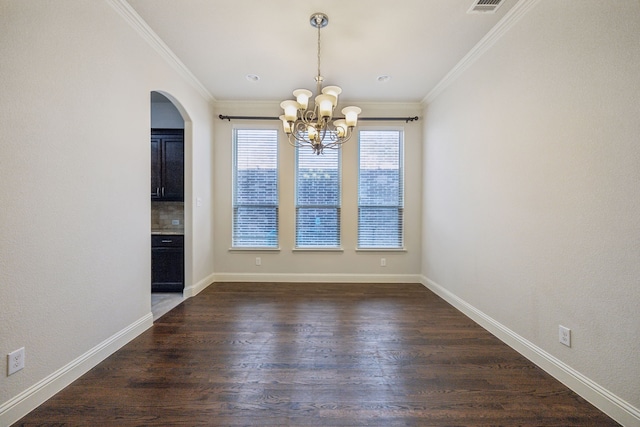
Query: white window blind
{"x": 380, "y": 189}
{"x": 317, "y": 199}
{"x": 255, "y": 188}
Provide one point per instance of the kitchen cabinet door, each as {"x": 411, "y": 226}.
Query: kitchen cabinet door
{"x": 167, "y": 263}
{"x": 167, "y": 164}
{"x": 156, "y": 168}
{"x": 173, "y": 168}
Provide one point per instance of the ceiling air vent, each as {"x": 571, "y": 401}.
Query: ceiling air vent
{"x": 485, "y": 6}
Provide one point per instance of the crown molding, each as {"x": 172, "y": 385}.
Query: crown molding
{"x": 363, "y": 104}
{"x": 267, "y": 108}
{"x": 508, "y": 21}
{"x": 142, "y": 28}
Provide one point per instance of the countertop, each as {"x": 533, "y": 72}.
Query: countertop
{"x": 168, "y": 232}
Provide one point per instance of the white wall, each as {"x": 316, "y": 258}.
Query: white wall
{"x": 75, "y": 170}
{"x": 532, "y": 186}
{"x": 287, "y": 265}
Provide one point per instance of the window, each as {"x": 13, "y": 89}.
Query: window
{"x": 317, "y": 199}
{"x": 255, "y": 188}
{"x": 380, "y": 189}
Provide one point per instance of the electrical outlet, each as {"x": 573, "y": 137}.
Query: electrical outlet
{"x": 258, "y": 261}
{"x": 175, "y": 222}
{"x": 383, "y": 262}
{"x": 565, "y": 335}
{"x": 15, "y": 361}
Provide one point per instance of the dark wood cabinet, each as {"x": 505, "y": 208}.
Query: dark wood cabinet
{"x": 167, "y": 164}
{"x": 167, "y": 263}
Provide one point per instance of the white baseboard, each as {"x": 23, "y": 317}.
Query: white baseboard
{"x": 318, "y": 278}
{"x": 615, "y": 407}
{"x": 19, "y": 406}
{"x": 198, "y": 287}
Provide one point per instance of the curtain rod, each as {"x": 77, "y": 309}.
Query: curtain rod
{"x": 373, "y": 119}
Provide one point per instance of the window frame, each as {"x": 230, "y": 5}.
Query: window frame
{"x": 234, "y": 187}
{"x": 338, "y": 207}
{"x": 402, "y": 187}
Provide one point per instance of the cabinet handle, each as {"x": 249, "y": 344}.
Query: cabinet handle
{"x": 157, "y": 193}
{"x": 167, "y": 241}
{"x": 162, "y": 191}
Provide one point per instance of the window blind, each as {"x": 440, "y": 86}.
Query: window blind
{"x": 380, "y": 189}
{"x": 255, "y": 188}
{"x": 317, "y": 199}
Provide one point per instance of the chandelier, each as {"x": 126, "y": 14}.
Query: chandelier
{"x": 312, "y": 126}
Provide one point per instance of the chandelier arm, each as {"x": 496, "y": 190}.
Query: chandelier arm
{"x": 294, "y": 142}
{"x": 309, "y": 116}
{"x": 322, "y": 134}
{"x": 335, "y": 144}
{"x": 299, "y": 132}
{"x": 300, "y": 127}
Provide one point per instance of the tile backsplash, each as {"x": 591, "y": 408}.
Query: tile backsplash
{"x": 163, "y": 213}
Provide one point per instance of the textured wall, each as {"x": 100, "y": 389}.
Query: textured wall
{"x": 531, "y": 180}
{"x": 286, "y": 263}
{"x": 74, "y": 143}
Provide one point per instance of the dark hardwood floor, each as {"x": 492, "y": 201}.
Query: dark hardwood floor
{"x": 242, "y": 354}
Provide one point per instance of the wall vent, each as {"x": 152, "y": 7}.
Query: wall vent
{"x": 485, "y": 6}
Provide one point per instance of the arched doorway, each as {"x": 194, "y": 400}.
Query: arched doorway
{"x": 168, "y": 216}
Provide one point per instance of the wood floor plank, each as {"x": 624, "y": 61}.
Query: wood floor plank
{"x": 296, "y": 354}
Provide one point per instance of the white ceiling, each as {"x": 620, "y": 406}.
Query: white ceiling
{"x": 415, "y": 42}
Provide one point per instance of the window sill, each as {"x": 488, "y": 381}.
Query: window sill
{"x": 254, "y": 249}
{"x": 381, "y": 250}
{"x": 317, "y": 250}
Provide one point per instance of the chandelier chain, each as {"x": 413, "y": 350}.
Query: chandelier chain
{"x": 319, "y": 76}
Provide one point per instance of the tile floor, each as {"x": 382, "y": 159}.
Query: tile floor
{"x": 163, "y": 302}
